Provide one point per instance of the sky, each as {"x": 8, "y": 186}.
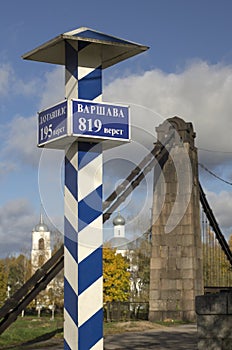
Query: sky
{"x": 186, "y": 72}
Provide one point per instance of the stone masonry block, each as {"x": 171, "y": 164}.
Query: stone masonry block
{"x": 187, "y": 220}
{"x": 226, "y": 344}
{"x": 214, "y": 326}
{"x": 188, "y": 263}
{"x": 186, "y": 230}
{"x": 174, "y": 252}
{"x": 211, "y": 344}
{"x": 184, "y": 263}
{"x": 158, "y": 263}
{"x": 188, "y": 284}
{"x": 173, "y": 305}
{"x": 154, "y": 294}
{"x": 187, "y": 273}
{"x": 155, "y": 277}
{"x": 171, "y": 294}
{"x": 188, "y": 305}
{"x": 171, "y": 264}
{"x": 171, "y": 274}
{"x": 189, "y": 251}
{"x": 179, "y": 284}
{"x": 189, "y": 295}
{"x": 229, "y": 295}
{"x": 188, "y": 240}
{"x": 155, "y": 250}
{"x": 158, "y": 305}
{"x": 167, "y": 284}
{"x": 189, "y": 315}
{"x": 213, "y": 304}
{"x": 163, "y": 251}
{"x": 158, "y": 239}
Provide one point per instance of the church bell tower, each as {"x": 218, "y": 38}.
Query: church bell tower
{"x": 41, "y": 245}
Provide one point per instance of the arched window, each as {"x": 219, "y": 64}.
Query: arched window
{"x": 41, "y": 244}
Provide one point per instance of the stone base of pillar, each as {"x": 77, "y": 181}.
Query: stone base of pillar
{"x": 162, "y": 316}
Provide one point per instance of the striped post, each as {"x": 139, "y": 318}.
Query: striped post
{"x": 83, "y": 306}
{"x": 84, "y": 52}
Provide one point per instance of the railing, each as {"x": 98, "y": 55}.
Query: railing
{"x": 126, "y": 311}
{"x": 217, "y": 256}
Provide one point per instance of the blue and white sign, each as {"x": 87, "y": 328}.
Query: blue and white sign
{"x": 82, "y": 119}
{"x": 101, "y": 120}
{"x": 52, "y": 123}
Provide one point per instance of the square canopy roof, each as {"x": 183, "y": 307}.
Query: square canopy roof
{"x": 114, "y": 49}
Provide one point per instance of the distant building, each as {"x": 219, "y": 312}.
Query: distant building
{"x": 119, "y": 241}
{"x": 126, "y": 248}
{"x": 41, "y": 245}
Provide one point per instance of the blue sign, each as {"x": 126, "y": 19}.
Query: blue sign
{"x": 82, "y": 119}
{"x": 52, "y": 123}
{"x": 101, "y": 120}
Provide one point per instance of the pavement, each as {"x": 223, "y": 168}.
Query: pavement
{"x": 182, "y": 337}
{"x": 176, "y": 338}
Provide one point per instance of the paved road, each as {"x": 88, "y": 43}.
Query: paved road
{"x": 175, "y": 338}
{"x": 178, "y": 338}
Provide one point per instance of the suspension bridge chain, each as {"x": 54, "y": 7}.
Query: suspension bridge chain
{"x": 213, "y": 223}
{"x": 154, "y": 153}
{"x": 155, "y": 159}
{"x": 43, "y": 276}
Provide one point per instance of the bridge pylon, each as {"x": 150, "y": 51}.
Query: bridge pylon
{"x": 176, "y": 276}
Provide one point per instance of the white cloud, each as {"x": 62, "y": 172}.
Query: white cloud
{"x": 12, "y": 84}
{"x": 17, "y": 220}
{"x": 54, "y": 88}
{"x": 5, "y": 74}
{"x": 21, "y": 141}
{"x": 201, "y": 94}
{"x": 19, "y": 135}
{"x": 6, "y": 167}
{"x": 26, "y": 88}
{"x": 221, "y": 203}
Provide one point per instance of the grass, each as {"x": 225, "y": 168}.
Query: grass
{"x": 27, "y": 329}
{"x": 138, "y": 326}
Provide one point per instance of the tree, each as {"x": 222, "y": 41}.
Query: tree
{"x": 116, "y": 277}
{"x": 140, "y": 269}
{"x": 57, "y": 240}
{"x": 18, "y": 271}
{"x": 230, "y": 242}
{"x": 3, "y": 283}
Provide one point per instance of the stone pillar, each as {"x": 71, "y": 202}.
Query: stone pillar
{"x": 176, "y": 276}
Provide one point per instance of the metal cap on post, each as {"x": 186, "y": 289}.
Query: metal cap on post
{"x": 113, "y": 50}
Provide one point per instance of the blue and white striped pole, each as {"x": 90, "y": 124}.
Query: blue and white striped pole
{"x": 84, "y": 52}
{"x": 83, "y": 309}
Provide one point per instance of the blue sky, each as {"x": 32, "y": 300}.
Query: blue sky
{"x": 187, "y": 72}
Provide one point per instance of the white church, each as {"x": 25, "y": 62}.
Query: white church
{"x": 119, "y": 240}
{"x": 41, "y": 245}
